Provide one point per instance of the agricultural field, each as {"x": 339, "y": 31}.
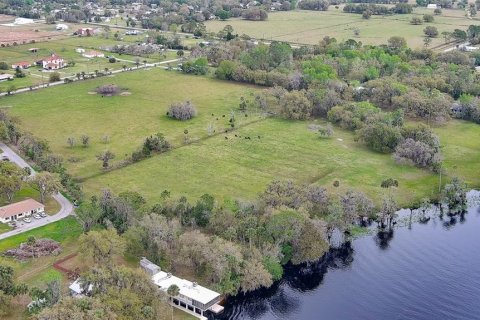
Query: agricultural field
{"x": 309, "y": 27}
{"x": 234, "y": 167}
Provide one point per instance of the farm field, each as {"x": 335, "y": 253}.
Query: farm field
{"x": 234, "y": 167}
{"x": 310, "y": 27}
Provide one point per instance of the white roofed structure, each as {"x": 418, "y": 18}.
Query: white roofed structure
{"x": 192, "y": 298}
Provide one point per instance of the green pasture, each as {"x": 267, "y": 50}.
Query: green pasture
{"x": 310, "y": 27}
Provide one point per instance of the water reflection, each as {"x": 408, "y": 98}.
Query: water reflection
{"x": 429, "y": 268}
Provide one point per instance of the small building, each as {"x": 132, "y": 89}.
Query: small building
{"x": 61, "y": 26}
{"x": 192, "y": 298}
{"x": 5, "y": 77}
{"x": 22, "y": 209}
{"x": 131, "y": 32}
{"x": 433, "y": 6}
{"x": 93, "y": 54}
{"x": 79, "y": 50}
{"x": 33, "y": 50}
{"x": 76, "y": 289}
{"x": 52, "y": 62}
{"x": 21, "y": 65}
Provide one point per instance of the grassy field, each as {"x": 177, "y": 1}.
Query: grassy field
{"x": 223, "y": 165}
{"x": 70, "y": 111}
{"x": 310, "y": 27}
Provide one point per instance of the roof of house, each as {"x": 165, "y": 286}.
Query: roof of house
{"x": 19, "y": 207}
{"x": 52, "y": 58}
{"x": 187, "y": 288}
{"x": 5, "y": 76}
{"x": 22, "y": 63}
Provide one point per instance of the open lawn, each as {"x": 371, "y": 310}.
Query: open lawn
{"x": 70, "y": 111}
{"x": 310, "y": 27}
{"x": 223, "y": 164}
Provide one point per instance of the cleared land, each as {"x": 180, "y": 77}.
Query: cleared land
{"x": 223, "y": 165}
{"x": 301, "y": 26}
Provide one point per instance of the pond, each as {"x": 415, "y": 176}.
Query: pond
{"x": 419, "y": 271}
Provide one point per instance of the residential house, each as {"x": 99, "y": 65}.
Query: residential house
{"x": 84, "y": 32}
{"x": 192, "y": 298}
{"x": 18, "y": 210}
{"x": 52, "y": 62}
{"x": 21, "y": 65}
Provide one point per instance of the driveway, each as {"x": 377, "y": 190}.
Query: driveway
{"x": 66, "y": 208}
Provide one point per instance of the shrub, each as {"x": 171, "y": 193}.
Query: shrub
{"x": 55, "y": 76}
{"x": 108, "y": 89}
{"x": 182, "y": 111}
{"x": 417, "y": 153}
{"x": 428, "y": 18}
{"x": 437, "y": 11}
{"x": 430, "y": 31}
{"x": 3, "y": 65}
{"x": 416, "y": 21}
{"x": 112, "y": 60}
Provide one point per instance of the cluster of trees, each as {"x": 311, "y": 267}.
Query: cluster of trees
{"x": 38, "y": 151}
{"x": 374, "y": 9}
{"x": 235, "y": 246}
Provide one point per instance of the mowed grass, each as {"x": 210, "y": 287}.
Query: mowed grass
{"x": 310, "y": 27}
{"x": 70, "y": 111}
{"x": 239, "y": 168}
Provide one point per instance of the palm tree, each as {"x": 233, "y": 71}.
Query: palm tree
{"x": 173, "y": 291}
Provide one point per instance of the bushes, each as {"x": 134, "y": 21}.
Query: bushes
{"x": 430, "y": 31}
{"x": 197, "y": 67}
{"x": 417, "y": 153}
{"x": 182, "y": 111}
{"x": 108, "y": 90}
{"x": 54, "y": 77}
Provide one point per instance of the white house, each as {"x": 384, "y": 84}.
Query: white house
{"x": 433, "y": 6}
{"x": 79, "y": 50}
{"x": 19, "y": 210}
{"x": 93, "y": 54}
{"x": 76, "y": 289}
{"x": 53, "y": 62}
{"x": 21, "y": 65}
{"x": 192, "y": 298}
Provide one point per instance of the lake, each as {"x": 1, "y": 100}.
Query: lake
{"x": 419, "y": 271}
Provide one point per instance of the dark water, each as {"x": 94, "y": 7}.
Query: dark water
{"x": 426, "y": 271}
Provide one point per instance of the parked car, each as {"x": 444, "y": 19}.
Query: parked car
{"x": 37, "y": 216}
{"x": 43, "y": 214}
{"x": 12, "y": 224}
{"x": 27, "y": 220}
{"x": 5, "y": 158}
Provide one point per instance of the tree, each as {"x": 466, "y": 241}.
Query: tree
{"x": 397, "y": 43}
{"x": 173, "y": 291}
{"x": 416, "y": 21}
{"x": 105, "y": 157}
{"x": 437, "y": 11}
{"x": 89, "y": 214}
{"x": 446, "y": 36}
{"x": 8, "y": 289}
{"x": 101, "y": 246}
{"x": 54, "y": 77}
{"x": 223, "y": 15}
{"x": 430, "y": 31}
{"x": 427, "y": 41}
{"x": 455, "y": 196}
{"x": 182, "y": 111}
{"x": 19, "y": 73}
{"x": 367, "y": 14}
{"x": 428, "y": 18}
{"x": 85, "y": 140}
{"x": 46, "y": 183}
{"x": 10, "y": 179}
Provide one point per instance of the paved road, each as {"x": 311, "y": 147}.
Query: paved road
{"x": 66, "y": 208}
